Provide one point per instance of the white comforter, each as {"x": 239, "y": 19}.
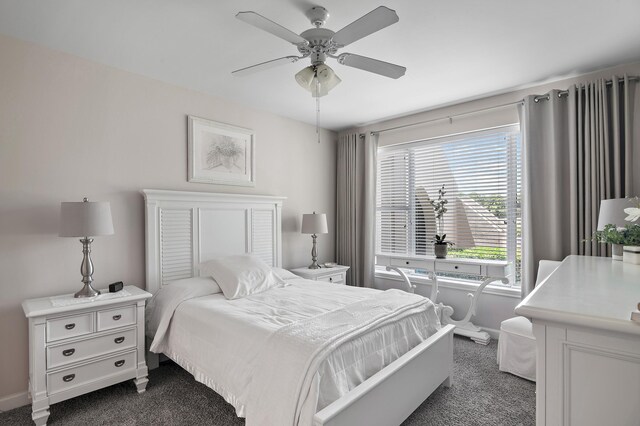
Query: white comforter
{"x": 231, "y": 345}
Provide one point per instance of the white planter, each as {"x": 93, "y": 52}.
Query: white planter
{"x": 632, "y": 254}
{"x": 440, "y": 250}
{"x": 616, "y": 251}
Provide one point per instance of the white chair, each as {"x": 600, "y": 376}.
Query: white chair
{"x": 516, "y": 344}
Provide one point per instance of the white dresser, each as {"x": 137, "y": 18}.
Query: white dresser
{"x": 75, "y": 348}
{"x": 588, "y": 349}
{"x": 335, "y": 275}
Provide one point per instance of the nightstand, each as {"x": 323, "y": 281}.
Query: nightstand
{"x": 77, "y": 347}
{"x": 335, "y": 275}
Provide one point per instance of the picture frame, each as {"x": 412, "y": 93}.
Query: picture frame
{"x": 220, "y": 153}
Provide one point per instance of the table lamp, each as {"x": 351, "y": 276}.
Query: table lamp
{"x": 315, "y": 223}
{"x": 612, "y": 213}
{"x": 85, "y": 219}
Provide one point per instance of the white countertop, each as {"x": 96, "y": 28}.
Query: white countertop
{"x": 587, "y": 291}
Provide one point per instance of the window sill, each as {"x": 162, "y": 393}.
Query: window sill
{"x": 443, "y": 282}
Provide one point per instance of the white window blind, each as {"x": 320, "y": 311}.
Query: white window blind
{"x": 481, "y": 175}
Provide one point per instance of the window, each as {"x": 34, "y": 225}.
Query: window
{"x": 481, "y": 175}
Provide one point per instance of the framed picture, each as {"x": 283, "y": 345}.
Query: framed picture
{"x": 220, "y": 153}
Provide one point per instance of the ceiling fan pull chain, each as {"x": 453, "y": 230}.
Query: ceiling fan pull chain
{"x": 318, "y": 110}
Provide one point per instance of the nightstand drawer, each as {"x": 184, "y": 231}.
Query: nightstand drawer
{"x": 72, "y": 326}
{"x": 458, "y": 267}
{"x": 335, "y": 279}
{"x": 76, "y": 376}
{"x": 60, "y": 355}
{"x": 119, "y": 317}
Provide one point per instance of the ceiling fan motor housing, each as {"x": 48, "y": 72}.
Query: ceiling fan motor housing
{"x": 320, "y": 43}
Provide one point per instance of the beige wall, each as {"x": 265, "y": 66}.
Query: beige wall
{"x": 71, "y": 128}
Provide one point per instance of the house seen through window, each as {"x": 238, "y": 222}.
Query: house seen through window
{"x": 481, "y": 174}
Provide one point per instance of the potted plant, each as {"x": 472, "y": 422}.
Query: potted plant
{"x": 614, "y": 236}
{"x": 440, "y": 244}
{"x": 631, "y": 249}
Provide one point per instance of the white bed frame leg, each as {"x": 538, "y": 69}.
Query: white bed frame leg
{"x": 153, "y": 359}
{"x": 448, "y": 382}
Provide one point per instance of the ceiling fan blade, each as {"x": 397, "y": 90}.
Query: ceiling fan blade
{"x": 265, "y": 65}
{"x": 269, "y": 26}
{"x": 372, "y": 65}
{"x": 373, "y": 21}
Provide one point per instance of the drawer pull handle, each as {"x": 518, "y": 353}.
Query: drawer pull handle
{"x": 331, "y": 279}
{"x": 117, "y": 317}
{"x": 119, "y": 363}
{"x": 69, "y": 377}
{"x": 407, "y": 263}
{"x": 455, "y": 267}
{"x": 68, "y": 352}
{"x": 70, "y": 326}
{"x": 119, "y": 340}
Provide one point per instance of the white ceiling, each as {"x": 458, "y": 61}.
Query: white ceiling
{"x": 453, "y": 49}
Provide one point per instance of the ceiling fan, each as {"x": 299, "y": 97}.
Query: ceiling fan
{"x": 320, "y": 43}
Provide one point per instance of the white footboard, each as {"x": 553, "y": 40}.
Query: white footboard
{"x": 388, "y": 397}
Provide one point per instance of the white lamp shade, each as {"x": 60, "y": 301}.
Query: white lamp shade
{"x": 304, "y": 77}
{"x": 315, "y": 223}
{"x": 327, "y": 77}
{"x": 612, "y": 212}
{"x": 85, "y": 219}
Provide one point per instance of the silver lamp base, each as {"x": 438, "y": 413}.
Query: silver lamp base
{"x": 314, "y": 254}
{"x": 87, "y": 291}
{"x": 86, "y": 269}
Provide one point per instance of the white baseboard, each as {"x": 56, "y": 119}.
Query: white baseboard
{"x": 16, "y": 400}
{"x": 492, "y": 332}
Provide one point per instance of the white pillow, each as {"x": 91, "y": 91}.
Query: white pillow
{"x": 240, "y": 276}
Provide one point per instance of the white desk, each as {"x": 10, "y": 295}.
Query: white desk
{"x": 588, "y": 349}
{"x": 493, "y": 270}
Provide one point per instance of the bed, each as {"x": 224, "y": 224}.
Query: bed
{"x": 185, "y": 228}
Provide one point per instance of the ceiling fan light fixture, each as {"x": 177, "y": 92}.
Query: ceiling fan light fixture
{"x": 317, "y": 79}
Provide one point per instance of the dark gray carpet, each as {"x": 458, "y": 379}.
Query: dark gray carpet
{"x": 481, "y": 395}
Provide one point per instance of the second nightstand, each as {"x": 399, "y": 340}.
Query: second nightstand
{"x": 335, "y": 275}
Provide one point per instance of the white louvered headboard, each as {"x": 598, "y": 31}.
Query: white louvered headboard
{"x": 184, "y": 229}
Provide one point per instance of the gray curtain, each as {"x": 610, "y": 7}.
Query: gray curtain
{"x": 577, "y": 151}
{"x": 356, "y": 207}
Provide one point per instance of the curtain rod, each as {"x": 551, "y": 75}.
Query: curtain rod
{"x": 566, "y": 92}
{"x": 448, "y": 117}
